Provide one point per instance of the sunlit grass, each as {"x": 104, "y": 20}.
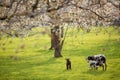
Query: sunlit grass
{"x": 29, "y": 58}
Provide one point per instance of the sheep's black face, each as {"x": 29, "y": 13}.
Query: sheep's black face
{"x": 90, "y": 58}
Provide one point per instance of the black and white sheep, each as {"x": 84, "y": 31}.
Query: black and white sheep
{"x": 99, "y": 60}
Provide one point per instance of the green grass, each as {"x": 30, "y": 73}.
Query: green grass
{"x": 30, "y": 59}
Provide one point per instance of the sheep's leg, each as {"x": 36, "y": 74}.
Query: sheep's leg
{"x": 103, "y": 67}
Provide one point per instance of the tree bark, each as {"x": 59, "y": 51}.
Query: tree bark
{"x": 62, "y": 32}
{"x": 56, "y": 39}
{"x": 52, "y": 41}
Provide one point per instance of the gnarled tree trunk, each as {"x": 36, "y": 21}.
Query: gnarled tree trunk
{"x": 52, "y": 40}
{"x": 56, "y": 39}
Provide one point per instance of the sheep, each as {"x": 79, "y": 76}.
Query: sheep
{"x": 101, "y": 59}
{"x": 93, "y": 65}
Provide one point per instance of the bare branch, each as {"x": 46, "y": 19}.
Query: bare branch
{"x": 35, "y": 5}
{"x": 63, "y": 4}
{"x": 10, "y": 7}
{"x": 117, "y": 5}
{"x": 88, "y": 10}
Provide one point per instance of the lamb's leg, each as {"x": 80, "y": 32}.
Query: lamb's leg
{"x": 94, "y": 66}
{"x": 90, "y": 66}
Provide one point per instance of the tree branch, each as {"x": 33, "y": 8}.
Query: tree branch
{"x": 88, "y": 10}
{"x": 35, "y": 5}
{"x": 114, "y": 4}
{"x": 6, "y": 14}
{"x": 63, "y": 4}
{"x": 15, "y": 9}
{"x": 62, "y": 42}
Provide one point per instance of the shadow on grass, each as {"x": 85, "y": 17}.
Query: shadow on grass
{"x": 27, "y": 64}
{"x": 94, "y": 72}
{"x": 65, "y": 70}
{"x": 44, "y": 51}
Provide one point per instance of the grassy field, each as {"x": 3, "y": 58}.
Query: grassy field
{"x": 29, "y": 58}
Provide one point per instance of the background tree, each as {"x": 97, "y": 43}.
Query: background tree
{"x": 19, "y": 16}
